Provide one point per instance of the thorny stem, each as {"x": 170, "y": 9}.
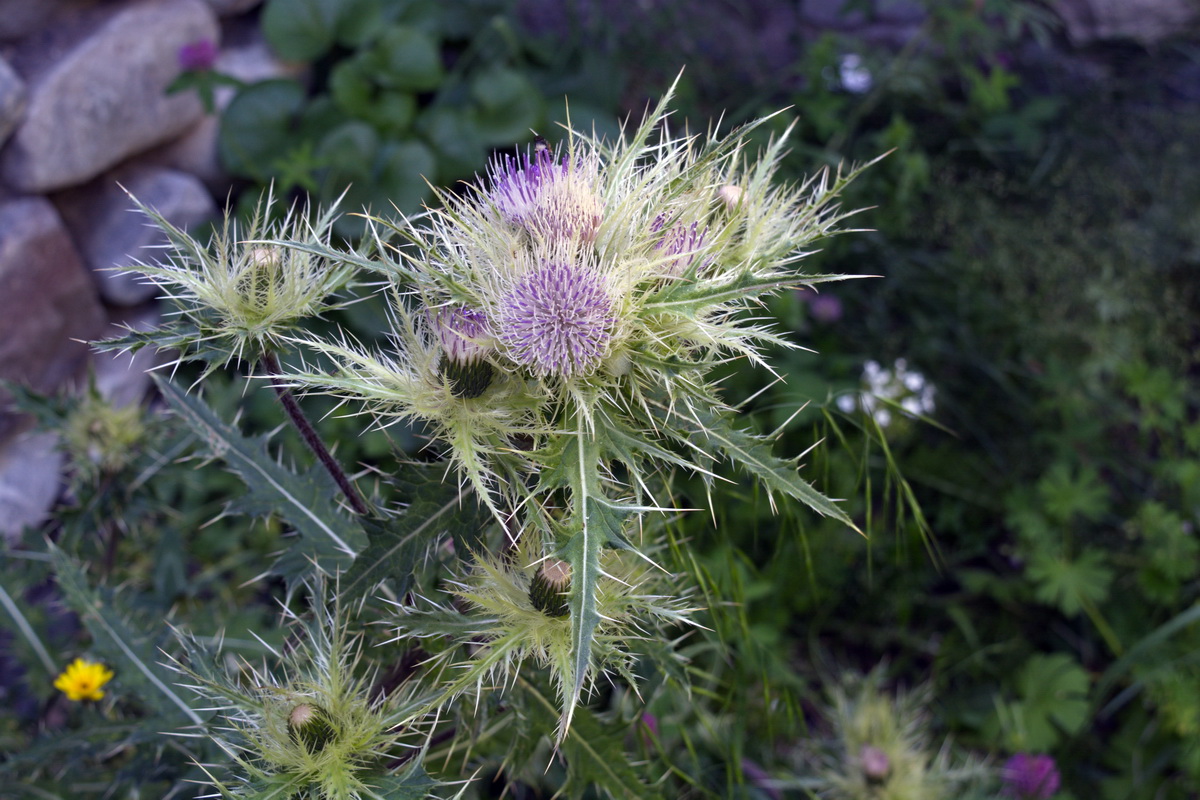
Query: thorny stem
{"x": 311, "y": 438}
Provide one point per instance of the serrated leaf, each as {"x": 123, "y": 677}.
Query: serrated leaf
{"x": 1070, "y": 585}
{"x": 130, "y": 652}
{"x": 594, "y": 753}
{"x": 330, "y": 539}
{"x": 1054, "y": 693}
{"x": 753, "y": 454}
{"x": 397, "y": 544}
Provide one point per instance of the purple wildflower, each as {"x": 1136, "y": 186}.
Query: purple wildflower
{"x": 548, "y": 196}
{"x": 680, "y": 244}
{"x": 875, "y": 763}
{"x": 461, "y": 331}
{"x": 198, "y": 56}
{"x": 1030, "y": 777}
{"x": 557, "y": 319}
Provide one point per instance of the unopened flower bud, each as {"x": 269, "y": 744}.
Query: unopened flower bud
{"x": 547, "y": 590}
{"x": 463, "y": 333}
{"x": 731, "y": 196}
{"x": 309, "y": 724}
{"x": 875, "y": 764}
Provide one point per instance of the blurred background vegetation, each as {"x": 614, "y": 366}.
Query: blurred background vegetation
{"x": 1023, "y": 451}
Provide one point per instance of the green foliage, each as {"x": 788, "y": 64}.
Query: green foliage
{"x": 401, "y": 96}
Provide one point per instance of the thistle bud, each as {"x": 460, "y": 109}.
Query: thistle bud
{"x": 309, "y": 724}
{"x": 731, "y": 196}
{"x": 548, "y": 588}
{"x": 462, "y": 332}
{"x": 876, "y": 765}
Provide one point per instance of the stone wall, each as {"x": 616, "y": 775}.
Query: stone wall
{"x": 84, "y": 111}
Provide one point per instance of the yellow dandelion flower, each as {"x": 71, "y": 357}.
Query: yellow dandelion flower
{"x": 82, "y": 680}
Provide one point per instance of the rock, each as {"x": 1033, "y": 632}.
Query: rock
{"x": 124, "y": 378}
{"x": 247, "y": 58}
{"x": 1144, "y": 21}
{"x": 97, "y": 90}
{"x": 48, "y": 305}
{"x": 110, "y": 232}
{"x": 20, "y": 18}
{"x": 31, "y": 468}
{"x": 12, "y": 100}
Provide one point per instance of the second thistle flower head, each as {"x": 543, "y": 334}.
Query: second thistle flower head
{"x": 240, "y": 296}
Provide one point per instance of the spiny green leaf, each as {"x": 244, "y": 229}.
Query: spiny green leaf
{"x": 594, "y": 754}
{"x": 330, "y": 539}
{"x": 132, "y": 655}
{"x": 597, "y": 523}
{"x": 396, "y": 544}
{"x": 753, "y": 454}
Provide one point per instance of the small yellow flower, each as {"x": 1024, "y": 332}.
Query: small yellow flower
{"x": 82, "y": 680}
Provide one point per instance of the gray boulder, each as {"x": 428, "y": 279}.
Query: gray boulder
{"x": 97, "y": 90}
{"x": 31, "y": 468}
{"x": 110, "y": 232}
{"x": 48, "y": 305}
{"x": 12, "y": 99}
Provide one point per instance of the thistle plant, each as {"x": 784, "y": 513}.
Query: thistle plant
{"x": 553, "y": 332}
{"x": 310, "y": 726}
{"x": 556, "y": 325}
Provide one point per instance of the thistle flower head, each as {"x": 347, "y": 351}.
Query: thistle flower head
{"x": 680, "y": 245}
{"x": 102, "y": 438}
{"x": 550, "y": 197}
{"x": 556, "y": 319}
{"x": 82, "y": 680}
{"x": 518, "y": 613}
{"x": 309, "y": 726}
{"x": 242, "y": 295}
{"x": 462, "y": 332}
{"x": 882, "y": 747}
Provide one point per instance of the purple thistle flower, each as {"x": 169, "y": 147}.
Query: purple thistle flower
{"x": 461, "y": 331}
{"x": 547, "y": 196}
{"x": 1030, "y": 777}
{"x": 557, "y": 319}
{"x": 680, "y": 245}
{"x": 198, "y": 56}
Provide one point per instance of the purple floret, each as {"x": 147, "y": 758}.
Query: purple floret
{"x": 557, "y": 319}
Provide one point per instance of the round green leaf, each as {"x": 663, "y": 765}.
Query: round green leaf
{"x": 396, "y": 181}
{"x": 408, "y": 59}
{"x": 301, "y": 30}
{"x": 351, "y": 86}
{"x": 455, "y": 138}
{"x": 349, "y": 151}
{"x": 508, "y": 106}
{"x": 258, "y": 127}
{"x": 360, "y": 21}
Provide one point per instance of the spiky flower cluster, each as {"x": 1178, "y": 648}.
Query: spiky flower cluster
{"x": 518, "y": 612}
{"x": 555, "y": 325}
{"x": 309, "y": 727}
{"x": 238, "y": 297}
{"x": 882, "y": 748}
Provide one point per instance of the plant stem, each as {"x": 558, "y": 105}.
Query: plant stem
{"x": 311, "y": 438}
